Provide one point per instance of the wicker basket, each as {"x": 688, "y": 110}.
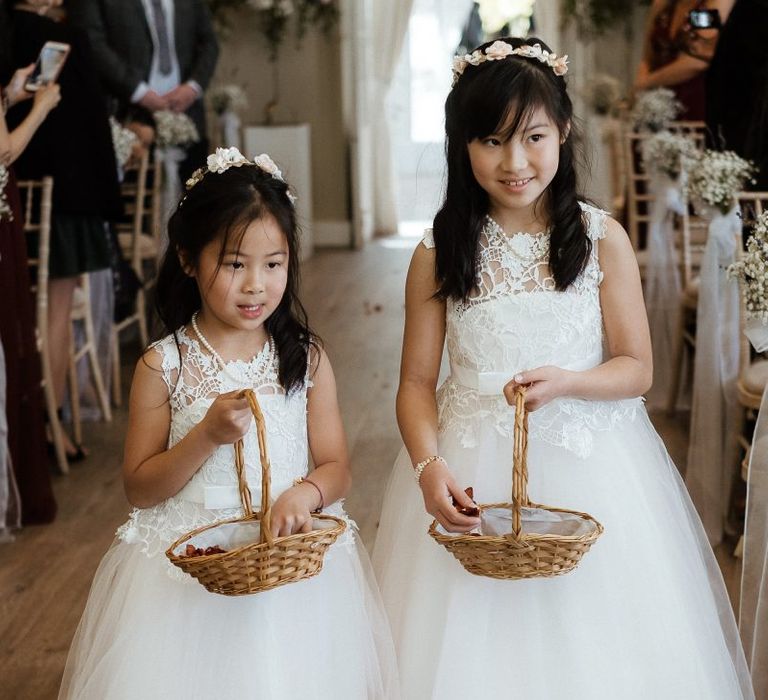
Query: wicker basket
{"x": 264, "y": 562}
{"x": 519, "y": 554}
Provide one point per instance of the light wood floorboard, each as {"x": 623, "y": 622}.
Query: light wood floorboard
{"x": 355, "y": 302}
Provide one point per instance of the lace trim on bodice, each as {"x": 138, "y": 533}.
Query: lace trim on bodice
{"x": 194, "y": 380}
{"x": 514, "y": 320}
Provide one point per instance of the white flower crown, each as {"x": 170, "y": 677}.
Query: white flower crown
{"x": 501, "y": 49}
{"x": 225, "y": 158}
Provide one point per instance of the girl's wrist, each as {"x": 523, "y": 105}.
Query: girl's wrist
{"x": 318, "y": 499}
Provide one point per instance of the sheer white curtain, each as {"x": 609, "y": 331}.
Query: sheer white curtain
{"x": 390, "y": 22}
{"x": 753, "y": 616}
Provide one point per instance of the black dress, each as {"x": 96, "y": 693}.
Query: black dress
{"x": 737, "y": 87}
{"x": 74, "y": 145}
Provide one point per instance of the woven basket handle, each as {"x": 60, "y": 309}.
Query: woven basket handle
{"x": 266, "y": 480}
{"x": 519, "y": 461}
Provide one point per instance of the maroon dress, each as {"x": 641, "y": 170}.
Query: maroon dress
{"x": 664, "y": 47}
{"x": 24, "y": 395}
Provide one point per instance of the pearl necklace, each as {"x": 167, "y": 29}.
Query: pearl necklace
{"x": 223, "y": 365}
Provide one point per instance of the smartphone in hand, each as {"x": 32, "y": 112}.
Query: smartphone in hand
{"x": 48, "y": 66}
{"x": 704, "y": 19}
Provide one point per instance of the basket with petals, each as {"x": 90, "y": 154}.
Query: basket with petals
{"x": 521, "y": 539}
{"x": 253, "y": 560}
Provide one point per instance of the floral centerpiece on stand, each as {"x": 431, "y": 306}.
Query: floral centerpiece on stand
{"x": 655, "y": 109}
{"x": 752, "y": 273}
{"x": 175, "y": 129}
{"x": 668, "y": 153}
{"x": 227, "y": 101}
{"x": 716, "y": 178}
{"x": 603, "y": 94}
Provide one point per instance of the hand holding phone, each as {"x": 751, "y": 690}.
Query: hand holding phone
{"x": 704, "y": 19}
{"x": 48, "y": 66}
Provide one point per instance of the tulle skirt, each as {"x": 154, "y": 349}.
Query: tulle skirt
{"x": 645, "y": 615}
{"x": 145, "y": 634}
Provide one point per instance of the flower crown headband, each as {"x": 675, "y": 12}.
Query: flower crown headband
{"x": 225, "y": 158}
{"x": 501, "y": 49}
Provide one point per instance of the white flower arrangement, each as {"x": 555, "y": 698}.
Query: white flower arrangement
{"x": 282, "y": 8}
{"x": 122, "y": 141}
{"x": 668, "y": 153}
{"x": 655, "y": 109}
{"x": 602, "y": 93}
{"x": 175, "y": 129}
{"x": 715, "y": 177}
{"x": 5, "y": 208}
{"x": 752, "y": 271}
{"x": 226, "y": 98}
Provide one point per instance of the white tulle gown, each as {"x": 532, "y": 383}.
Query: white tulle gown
{"x": 646, "y": 614}
{"x": 151, "y": 631}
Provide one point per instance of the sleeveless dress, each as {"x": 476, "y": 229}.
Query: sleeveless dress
{"x": 151, "y": 631}
{"x": 646, "y": 614}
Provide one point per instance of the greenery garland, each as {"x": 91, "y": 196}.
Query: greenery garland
{"x": 595, "y": 17}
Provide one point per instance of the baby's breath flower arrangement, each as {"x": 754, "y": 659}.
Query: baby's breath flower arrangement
{"x": 225, "y": 98}
{"x": 122, "y": 141}
{"x": 5, "y": 208}
{"x": 668, "y": 153}
{"x": 655, "y": 109}
{"x": 175, "y": 129}
{"x": 602, "y": 93}
{"x": 716, "y": 177}
{"x": 752, "y": 272}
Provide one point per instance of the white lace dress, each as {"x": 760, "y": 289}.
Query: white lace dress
{"x": 151, "y": 631}
{"x": 646, "y": 614}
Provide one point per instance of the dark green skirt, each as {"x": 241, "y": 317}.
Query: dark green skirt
{"x": 79, "y": 243}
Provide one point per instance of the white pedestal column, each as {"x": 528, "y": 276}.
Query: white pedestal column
{"x": 290, "y": 148}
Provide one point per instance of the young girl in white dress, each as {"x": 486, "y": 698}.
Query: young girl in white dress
{"x": 530, "y": 286}
{"x": 227, "y": 292}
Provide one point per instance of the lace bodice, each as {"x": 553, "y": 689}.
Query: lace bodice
{"x": 194, "y": 381}
{"x": 514, "y": 321}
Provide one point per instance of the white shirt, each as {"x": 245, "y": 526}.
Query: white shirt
{"x": 158, "y": 82}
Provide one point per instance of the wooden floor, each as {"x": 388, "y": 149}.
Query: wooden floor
{"x": 355, "y": 302}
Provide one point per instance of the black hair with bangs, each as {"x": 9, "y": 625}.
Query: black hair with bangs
{"x": 496, "y": 96}
{"x": 222, "y": 205}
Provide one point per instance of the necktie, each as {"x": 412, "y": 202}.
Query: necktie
{"x": 161, "y": 26}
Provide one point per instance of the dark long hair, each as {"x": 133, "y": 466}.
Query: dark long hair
{"x": 493, "y": 97}
{"x": 223, "y": 205}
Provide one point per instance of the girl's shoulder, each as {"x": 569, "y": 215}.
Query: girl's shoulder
{"x": 428, "y": 239}
{"x": 165, "y": 356}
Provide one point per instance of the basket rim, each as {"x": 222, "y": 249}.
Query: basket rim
{"x": 340, "y": 526}
{"x": 523, "y": 537}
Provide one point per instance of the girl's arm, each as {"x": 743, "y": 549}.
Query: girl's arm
{"x": 46, "y": 98}
{"x": 629, "y": 371}
{"x": 330, "y": 479}
{"x": 416, "y": 405}
{"x": 153, "y": 473}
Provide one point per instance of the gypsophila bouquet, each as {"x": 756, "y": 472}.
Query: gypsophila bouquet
{"x": 175, "y": 129}
{"x": 602, "y": 93}
{"x": 752, "y": 271}
{"x": 716, "y": 177}
{"x": 228, "y": 98}
{"x": 122, "y": 141}
{"x": 5, "y": 208}
{"x": 668, "y": 153}
{"x": 655, "y": 109}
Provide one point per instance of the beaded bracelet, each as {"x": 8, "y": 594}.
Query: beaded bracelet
{"x": 307, "y": 480}
{"x": 419, "y": 468}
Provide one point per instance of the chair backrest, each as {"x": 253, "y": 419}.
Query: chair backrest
{"x": 639, "y": 197}
{"x": 134, "y": 193}
{"x": 36, "y": 197}
{"x": 156, "y": 175}
{"x": 696, "y": 130}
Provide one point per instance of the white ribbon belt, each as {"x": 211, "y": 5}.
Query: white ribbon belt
{"x": 213, "y": 497}
{"x": 491, "y": 383}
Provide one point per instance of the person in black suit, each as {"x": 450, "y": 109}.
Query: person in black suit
{"x": 160, "y": 54}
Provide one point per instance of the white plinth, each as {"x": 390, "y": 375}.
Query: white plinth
{"x": 290, "y": 148}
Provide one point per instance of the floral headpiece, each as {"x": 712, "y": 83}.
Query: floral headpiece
{"x": 225, "y": 158}
{"x": 501, "y": 49}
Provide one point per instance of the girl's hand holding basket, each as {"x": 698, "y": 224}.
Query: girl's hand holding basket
{"x": 543, "y": 384}
{"x": 437, "y": 487}
{"x": 228, "y": 418}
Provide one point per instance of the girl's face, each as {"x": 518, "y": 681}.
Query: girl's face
{"x": 516, "y": 170}
{"x": 241, "y": 292}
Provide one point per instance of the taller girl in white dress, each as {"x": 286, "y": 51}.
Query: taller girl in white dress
{"x": 227, "y": 290}
{"x": 530, "y": 286}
